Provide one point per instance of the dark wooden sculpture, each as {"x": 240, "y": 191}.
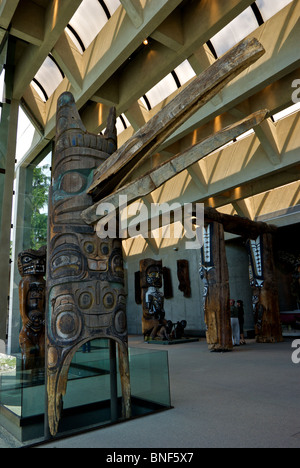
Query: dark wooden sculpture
{"x": 184, "y": 278}
{"x": 264, "y": 289}
{"x": 215, "y": 275}
{"x": 85, "y": 277}
{"x": 32, "y": 291}
{"x": 154, "y": 324}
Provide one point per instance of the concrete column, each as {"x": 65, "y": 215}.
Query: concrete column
{"x": 8, "y": 140}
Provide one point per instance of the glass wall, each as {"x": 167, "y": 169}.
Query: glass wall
{"x": 87, "y": 403}
{"x": 29, "y": 228}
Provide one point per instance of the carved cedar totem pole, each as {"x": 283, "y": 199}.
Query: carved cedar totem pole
{"x": 215, "y": 276}
{"x": 32, "y": 291}
{"x": 264, "y": 289}
{"x": 85, "y": 277}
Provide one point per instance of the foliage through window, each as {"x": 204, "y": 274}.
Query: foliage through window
{"x": 39, "y": 200}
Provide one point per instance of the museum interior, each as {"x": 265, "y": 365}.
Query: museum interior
{"x": 184, "y": 116}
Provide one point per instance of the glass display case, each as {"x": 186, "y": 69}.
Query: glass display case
{"x": 88, "y": 402}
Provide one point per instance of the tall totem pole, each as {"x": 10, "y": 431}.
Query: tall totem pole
{"x": 85, "y": 277}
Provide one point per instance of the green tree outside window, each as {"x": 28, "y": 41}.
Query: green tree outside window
{"x": 39, "y": 217}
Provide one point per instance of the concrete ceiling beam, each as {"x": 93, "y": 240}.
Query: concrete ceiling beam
{"x": 57, "y": 17}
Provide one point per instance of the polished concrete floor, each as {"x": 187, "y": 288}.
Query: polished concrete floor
{"x": 247, "y": 398}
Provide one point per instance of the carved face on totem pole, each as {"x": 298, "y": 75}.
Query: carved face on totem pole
{"x": 32, "y": 290}
{"x": 86, "y": 298}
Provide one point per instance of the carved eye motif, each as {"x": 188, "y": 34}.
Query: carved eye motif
{"x": 27, "y": 259}
{"x": 66, "y": 264}
{"x": 89, "y": 247}
{"x": 73, "y": 182}
{"x": 67, "y": 326}
{"x": 64, "y": 260}
{"x": 105, "y": 249}
{"x": 109, "y": 301}
{"x": 85, "y": 301}
{"x": 120, "y": 322}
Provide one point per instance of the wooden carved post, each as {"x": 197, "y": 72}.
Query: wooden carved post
{"x": 265, "y": 291}
{"x": 215, "y": 275}
{"x": 154, "y": 324}
{"x": 32, "y": 291}
{"x": 85, "y": 277}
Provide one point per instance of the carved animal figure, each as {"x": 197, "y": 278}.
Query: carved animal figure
{"x": 32, "y": 290}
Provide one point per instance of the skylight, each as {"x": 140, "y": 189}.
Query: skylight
{"x": 89, "y": 19}
{"x": 269, "y": 8}
{"x": 286, "y": 112}
{"x": 234, "y": 32}
{"x": 168, "y": 85}
{"x": 122, "y": 123}
{"x": 185, "y": 72}
{"x": 162, "y": 90}
{"x": 47, "y": 78}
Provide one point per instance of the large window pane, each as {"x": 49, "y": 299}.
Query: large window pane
{"x": 90, "y": 18}
{"x": 234, "y": 32}
{"x": 269, "y": 8}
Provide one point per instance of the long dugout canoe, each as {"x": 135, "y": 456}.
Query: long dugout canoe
{"x": 116, "y": 169}
{"x": 169, "y": 169}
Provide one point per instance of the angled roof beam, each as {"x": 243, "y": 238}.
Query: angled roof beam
{"x": 267, "y": 135}
{"x": 7, "y": 10}
{"x": 279, "y": 36}
{"x": 157, "y": 177}
{"x": 170, "y": 32}
{"x": 28, "y": 22}
{"x": 70, "y": 60}
{"x": 112, "y": 47}
{"x": 57, "y": 16}
{"x": 134, "y": 10}
{"x": 195, "y": 96}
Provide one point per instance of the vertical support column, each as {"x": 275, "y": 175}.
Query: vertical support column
{"x": 113, "y": 381}
{"x": 265, "y": 290}
{"x": 8, "y": 140}
{"x": 214, "y": 273}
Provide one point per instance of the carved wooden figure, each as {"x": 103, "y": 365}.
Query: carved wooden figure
{"x": 85, "y": 277}
{"x": 215, "y": 275}
{"x": 32, "y": 291}
{"x": 264, "y": 289}
{"x": 154, "y": 324}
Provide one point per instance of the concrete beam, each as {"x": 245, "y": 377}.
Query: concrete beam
{"x": 279, "y": 38}
{"x": 134, "y": 10}
{"x": 170, "y": 32}
{"x": 7, "y": 10}
{"x": 57, "y": 16}
{"x": 70, "y": 60}
{"x": 267, "y": 135}
{"x": 28, "y": 22}
{"x": 119, "y": 39}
